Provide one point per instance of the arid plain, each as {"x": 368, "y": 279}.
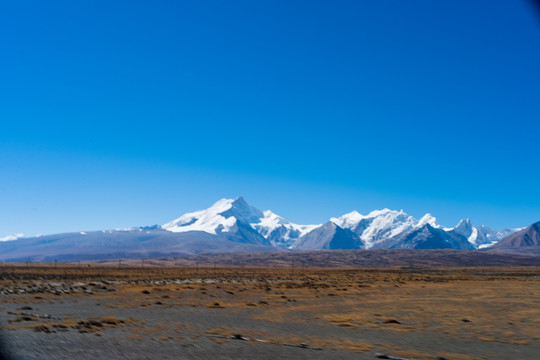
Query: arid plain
{"x": 204, "y": 312}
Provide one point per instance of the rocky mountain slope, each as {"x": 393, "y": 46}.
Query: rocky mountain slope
{"x": 525, "y": 241}
{"x": 329, "y": 237}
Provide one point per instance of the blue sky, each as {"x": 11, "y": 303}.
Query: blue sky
{"x": 117, "y": 114}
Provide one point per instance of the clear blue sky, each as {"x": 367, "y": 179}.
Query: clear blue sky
{"x": 116, "y": 114}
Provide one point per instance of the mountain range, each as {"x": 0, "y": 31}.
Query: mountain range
{"x": 232, "y": 225}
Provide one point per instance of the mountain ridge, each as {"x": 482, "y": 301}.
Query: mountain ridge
{"x": 233, "y": 225}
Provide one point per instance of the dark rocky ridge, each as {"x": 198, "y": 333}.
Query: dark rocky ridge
{"x": 329, "y": 237}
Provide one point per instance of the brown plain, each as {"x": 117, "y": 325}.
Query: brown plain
{"x": 403, "y": 306}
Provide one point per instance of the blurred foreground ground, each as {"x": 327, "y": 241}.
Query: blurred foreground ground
{"x": 189, "y": 313}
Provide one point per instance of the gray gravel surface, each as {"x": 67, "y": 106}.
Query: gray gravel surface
{"x": 157, "y": 325}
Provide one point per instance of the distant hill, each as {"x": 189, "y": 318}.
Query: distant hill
{"x": 125, "y": 244}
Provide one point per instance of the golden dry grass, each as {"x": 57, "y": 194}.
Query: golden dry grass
{"x": 485, "y": 304}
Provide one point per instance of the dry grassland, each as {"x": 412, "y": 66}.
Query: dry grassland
{"x": 356, "y": 311}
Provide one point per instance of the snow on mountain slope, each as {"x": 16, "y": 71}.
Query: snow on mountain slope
{"x": 279, "y": 231}
{"x": 380, "y": 225}
{"x": 220, "y": 217}
{"x": 428, "y": 219}
{"x": 226, "y": 215}
{"x": 480, "y": 236}
{"x": 229, "y": 219}
{"x": 468, "y": 230}
{"x": 493, "y": 236}
{"x": 426, "y": 237}
{"x": 349, "y": 220}
{"x": 11, "y": 237}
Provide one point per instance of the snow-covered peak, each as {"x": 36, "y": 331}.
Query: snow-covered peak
{"x": 380, "y": 225}
{"x": 279, "y": 231}
{"x": 480, "y": 236}
{"x": 221, "y": 205}
{"x": 466, "y": 228}
{"x": 226, "y": 213}
{"x": 271, "y": 220}
{"x": 376, "y": 226}
{"x": 384, "y": 212}
{"x": 475, "y": 235}
{"x": 349, "y": 219}
{"x": 230, "y": 215}
{"x": 240, "y": 209}
{"x": 386, "y": 224}
{"x": 212, "y": 220}
{"x": 428, "y": 219}
{"x": 464, "y": 225}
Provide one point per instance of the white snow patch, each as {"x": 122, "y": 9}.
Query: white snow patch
{"x": 487, "y": 245}
{"x": 348, "y": 220}
{"x": 270, "y": 221}
{"x": 428, "y": 219}
{"x": 382, "y": 212}
{"x": 304, "y": 229}
{"x": 289, "y": 232}
{"x": 474, "y": 236}
{"x": 386, "y": 224}
{"x": 208, "y": 220}
{"x": 12, "y": 237}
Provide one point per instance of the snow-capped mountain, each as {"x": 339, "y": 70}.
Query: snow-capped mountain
{"x": 494, "y": 236}
{"x": 427, "y": 236}
{"x": 232, "y": 225}
{"x": 240, "y": 222}
{"x": 380, "y": 225}
{"x": 229, "y": 215}
{"x": 227, "y": 218}
{"x": 385, "y": 228}
{"x": 220, "y": 217}
{"x": 473, "y": 234}
{"x": 480, "y": 236}
{"x": 279, "y": 231}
